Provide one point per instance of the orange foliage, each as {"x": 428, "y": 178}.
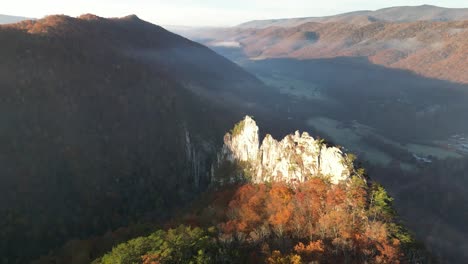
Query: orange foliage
{"x": 279, "y": 206}
{"x": 247, "y": 206}
{"x": 312, "y": 247}
{"x": 325, "y": 221}
{"x": 277, "y": 258}
{"x": 336, "y": 196}
{"x": 150, "y": 259}
{"x": 389, "y": 252}
{"x": 312, "y": 251}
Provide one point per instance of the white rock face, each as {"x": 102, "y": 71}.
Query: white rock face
{"x": 295, "y": 158}
{"x": 243, "y": 145}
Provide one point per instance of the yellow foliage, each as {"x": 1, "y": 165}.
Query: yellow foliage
{"x": 277, "y": 258}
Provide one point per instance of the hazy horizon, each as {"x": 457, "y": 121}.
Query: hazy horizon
{"x": 209, "y": 13}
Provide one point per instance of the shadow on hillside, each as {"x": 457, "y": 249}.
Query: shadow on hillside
{"x": 400, "y": 104}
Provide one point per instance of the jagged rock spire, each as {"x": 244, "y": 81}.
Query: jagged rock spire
{"x": 242, "y": 142}
{"x": 296, "y": 157}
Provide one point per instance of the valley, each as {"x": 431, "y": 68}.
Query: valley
{"x": 398, "y": 122}
{"x": 325, "y": 100}
{"x": 395, "y": 130}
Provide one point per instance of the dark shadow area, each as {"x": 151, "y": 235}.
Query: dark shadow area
{"x": 400, "y": 104}
{"x": 93, "y": 139}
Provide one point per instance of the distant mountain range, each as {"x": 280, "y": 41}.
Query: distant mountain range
{"x": 4, "y": 19}
{"x": 427, "y": 40}
{"x": 391, "y": 14}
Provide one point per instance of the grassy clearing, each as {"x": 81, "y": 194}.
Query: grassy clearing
{"x": 425, "y": 150}
{"x": 355, "y": 138}
{"x": 352, "y": 139}
{"x": 294, "y": 87}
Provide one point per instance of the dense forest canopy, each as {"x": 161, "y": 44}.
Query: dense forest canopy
{"x": 278, "y": 223}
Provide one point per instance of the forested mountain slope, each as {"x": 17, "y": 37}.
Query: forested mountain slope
{"x": 105, "y": 122}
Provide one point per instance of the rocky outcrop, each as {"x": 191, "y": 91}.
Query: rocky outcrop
{"x": 242, "y": 143}
{"x": 296, "y": 157}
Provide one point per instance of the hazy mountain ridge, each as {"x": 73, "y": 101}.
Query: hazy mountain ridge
{"x": 4, "y": 19}
{"x": 390, "y": 14}
{"x": 143, "y": 41}
{"x": 432, "y": 49}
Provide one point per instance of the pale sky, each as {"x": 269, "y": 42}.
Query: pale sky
{"x": 205, "y": 12}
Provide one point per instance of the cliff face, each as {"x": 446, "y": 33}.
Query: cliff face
{"x": 295, "y": 158}
{"x": 198, "y": 158}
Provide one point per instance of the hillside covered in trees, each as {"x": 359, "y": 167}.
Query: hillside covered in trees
{"x": 106, "y": 122}
{"x": 310, "y": 221}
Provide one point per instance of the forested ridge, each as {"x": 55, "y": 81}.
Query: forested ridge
{"x": 314, "y": 221}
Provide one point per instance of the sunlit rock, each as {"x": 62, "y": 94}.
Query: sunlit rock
{"x": 297, "y": 157}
